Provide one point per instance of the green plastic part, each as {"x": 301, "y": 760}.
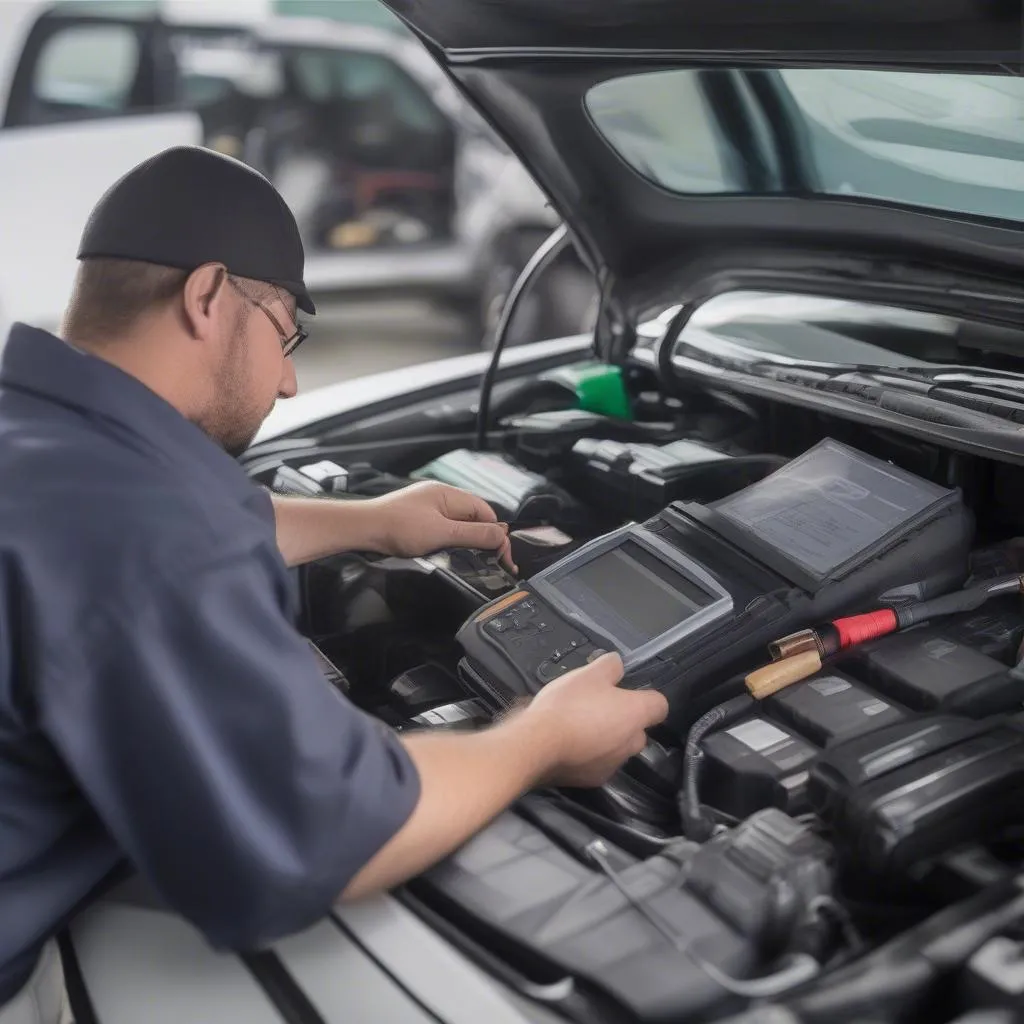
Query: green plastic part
{"x": 599, "y": 388}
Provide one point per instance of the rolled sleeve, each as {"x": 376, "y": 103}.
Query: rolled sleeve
{"x": 234, "y": 777}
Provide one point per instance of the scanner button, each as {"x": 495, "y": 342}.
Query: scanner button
{"x": 548, "y": 671}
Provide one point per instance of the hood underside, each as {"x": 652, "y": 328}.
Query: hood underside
{"x": 942, "y": 31}
{"x": 689, "y": 152}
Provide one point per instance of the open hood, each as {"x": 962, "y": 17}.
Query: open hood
{"x": 868, "y": 150}
{"x": 953, "y": 31}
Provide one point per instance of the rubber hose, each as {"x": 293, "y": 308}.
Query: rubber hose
{"x": 695, "y": 825}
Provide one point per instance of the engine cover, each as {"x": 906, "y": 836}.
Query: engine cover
{"x": 906, "y": 794}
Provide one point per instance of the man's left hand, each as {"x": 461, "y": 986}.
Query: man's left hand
{"x": 429, "y": 516}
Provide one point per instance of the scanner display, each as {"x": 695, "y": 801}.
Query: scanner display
{"x": 631, "y": 594}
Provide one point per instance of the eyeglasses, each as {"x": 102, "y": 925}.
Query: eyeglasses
{"x": 289, "y": 342}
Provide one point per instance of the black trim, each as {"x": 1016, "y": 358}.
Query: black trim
{"x": 82, "y": 1008}
{"x": 280, "y": 988}
{"x": 383, "y": 967}
{"x": 584, "y": 1005}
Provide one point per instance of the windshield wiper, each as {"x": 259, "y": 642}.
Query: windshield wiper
{"x": 954, "y": 376}
{"x": 978, "y": 395}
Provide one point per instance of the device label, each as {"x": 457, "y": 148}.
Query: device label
{"x": 830, "y": 686}
{"x": 939, "y": 649}
{"x": 874, "y": 707}
{"x": 758, "y": 734}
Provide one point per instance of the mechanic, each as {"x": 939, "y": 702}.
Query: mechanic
{"x": 159, "y": 712}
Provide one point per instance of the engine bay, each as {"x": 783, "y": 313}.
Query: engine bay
{"x": 831, "y": 821}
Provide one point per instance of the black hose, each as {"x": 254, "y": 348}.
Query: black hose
{"x": 549, "y": 249}
{"x": 666, "y": 372}
{"x": 959, "y": 601}
{"x": 897, "y": 976}
{"x": 895, "y": 980}
{"x": 696, "y": 824}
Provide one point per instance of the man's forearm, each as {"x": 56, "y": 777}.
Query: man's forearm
{"x": 311, "y": 528}
{"x": 466, "y": 780}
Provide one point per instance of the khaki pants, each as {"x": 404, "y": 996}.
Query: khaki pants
{"x": 44, "y": 999}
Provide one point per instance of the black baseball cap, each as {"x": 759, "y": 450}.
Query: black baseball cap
{"x": 188, "y": 206}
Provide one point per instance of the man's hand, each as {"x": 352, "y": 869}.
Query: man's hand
{"x": 429, "y": 516}
{"x": 576, "y": 732}
{"x": 597, "y": 726}
{"x": 416, "y": 520}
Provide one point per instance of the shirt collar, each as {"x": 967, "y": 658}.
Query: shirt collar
{"x": 39, "y": 362}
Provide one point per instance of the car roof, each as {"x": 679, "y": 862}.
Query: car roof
{"x": 301, "y": 30}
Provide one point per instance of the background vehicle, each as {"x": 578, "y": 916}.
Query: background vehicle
{"x": 399, "y": 187}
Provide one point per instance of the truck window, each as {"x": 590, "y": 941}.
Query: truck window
{"x": 76, "y": 70}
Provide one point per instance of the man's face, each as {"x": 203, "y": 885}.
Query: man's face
{"x": 253, "y": 372}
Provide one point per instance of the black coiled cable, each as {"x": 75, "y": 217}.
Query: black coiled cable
{"x": 697, "y": 825}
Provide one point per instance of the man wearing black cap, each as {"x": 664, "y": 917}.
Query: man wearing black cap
{"x": 158, "y": 711}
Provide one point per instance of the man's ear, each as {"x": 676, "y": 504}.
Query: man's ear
{"x": 206, "y": 292}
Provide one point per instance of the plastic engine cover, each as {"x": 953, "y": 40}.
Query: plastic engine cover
{"x": 512, "y": 881}
{"x": 909, "y": 793}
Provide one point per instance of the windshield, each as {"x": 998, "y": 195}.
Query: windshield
{"x": 940, "y": 141}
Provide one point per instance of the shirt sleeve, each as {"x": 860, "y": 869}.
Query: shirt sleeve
{"x": 244, "y": 787}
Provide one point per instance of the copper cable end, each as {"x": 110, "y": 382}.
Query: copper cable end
{"x": 796, "y": 643}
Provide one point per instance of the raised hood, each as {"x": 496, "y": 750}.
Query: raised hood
{"x": 896, "y": 173}
{"x": 954, "y": 30}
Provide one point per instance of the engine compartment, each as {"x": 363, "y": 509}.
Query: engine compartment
{"x": 849, "y": 845}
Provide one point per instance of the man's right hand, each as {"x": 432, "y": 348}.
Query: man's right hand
{"x": 592, "y": 724}
{"x": 576, "y": 732}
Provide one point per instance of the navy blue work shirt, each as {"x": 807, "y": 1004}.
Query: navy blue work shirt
{"x": 158, "y": 709}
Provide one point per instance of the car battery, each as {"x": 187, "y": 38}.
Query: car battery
{"x": 831, "y": 708}
{"x": 910, "y": 794}
{"x": 517, "y": 496}
{"x": 995, "y": 629}
{"x": 641, "y": 479}
{"x": 756, "y": 764}
{"x": 927, "y": 670}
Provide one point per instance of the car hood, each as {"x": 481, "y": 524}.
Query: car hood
{"x": 534, "y": 68}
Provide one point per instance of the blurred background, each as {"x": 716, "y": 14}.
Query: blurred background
{"x": 415, "y": 218}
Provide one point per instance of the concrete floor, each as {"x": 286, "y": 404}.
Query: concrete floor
{"x": 349, "y": 340}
